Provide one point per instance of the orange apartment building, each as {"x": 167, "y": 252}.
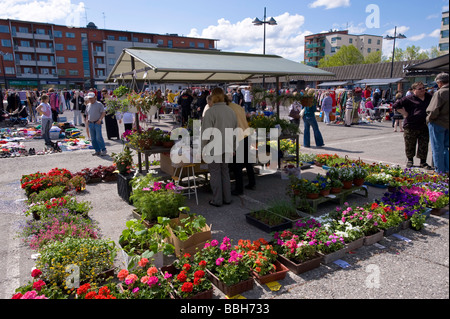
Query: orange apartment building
{"x": 42, "y": 55}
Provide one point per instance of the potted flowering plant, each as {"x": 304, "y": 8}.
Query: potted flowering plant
{"x": 336, "y": 186}
{"x": 189, "y": 279}
{"x": 263, "y": 260}
{"x": 38, "y": 289}
{"x": 312, "y": 189}
{"x": 123, "y": 160}
{"x": 298, "y": 255}
{"x": 346, "y": 176}
{"x": 324, "y": 184}
{"x": 144, "y": 282}
{"x": 227, "y": 269}
{"x": 330, "y": 245}
{"x": 359, "y": 175}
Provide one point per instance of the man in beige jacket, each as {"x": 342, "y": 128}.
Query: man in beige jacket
{"x": 437, "y": 120}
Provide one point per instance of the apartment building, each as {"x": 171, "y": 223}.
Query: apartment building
{"x": 443, "y": 39}
{"x": 42, "y": 55}
{"x": 321, "y": 44}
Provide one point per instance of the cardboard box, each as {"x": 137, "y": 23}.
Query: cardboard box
{"x": 166, "y": 166}
{"x": 190, "y": 245}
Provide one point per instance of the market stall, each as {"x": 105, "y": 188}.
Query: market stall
{"x": 160, "y": 65}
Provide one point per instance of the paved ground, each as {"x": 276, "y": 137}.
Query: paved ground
{"x": 418, "y": 269}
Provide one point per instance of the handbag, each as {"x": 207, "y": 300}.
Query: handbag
{"x": 294, "y": 113}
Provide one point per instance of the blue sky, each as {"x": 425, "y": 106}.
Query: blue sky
{"x": 230, "y": 21}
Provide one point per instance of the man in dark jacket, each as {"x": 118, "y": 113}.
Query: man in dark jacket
{"x": 185, "y": 101}
{"x": 413, "y": 108}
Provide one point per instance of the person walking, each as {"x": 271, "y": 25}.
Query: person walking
{"x": 397, "y": 118}
{"x": 44, "y": 109}
{"x": 327, "y": 107}
{"x": 219, "y": 117}
{"x": 416, "y": 134}
{"x": 248, "y": 100}
{"x": 95, "y": 113}
{"x": 438, "y": 127}
{"x": 309, "y": 119}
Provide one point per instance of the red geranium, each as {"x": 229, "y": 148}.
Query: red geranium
{"x": 187, "y": 287}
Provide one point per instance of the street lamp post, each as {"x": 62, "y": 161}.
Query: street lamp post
{"x": 388, "y": 37}
{"x": 258, "y": 22}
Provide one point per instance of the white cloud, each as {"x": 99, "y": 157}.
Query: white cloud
{"x": 435, "y": 34}
{"x": 42, "y": 11}
{"x": 330, "y": 4}
{"x": 417, "y": 37}
{"x": 285, "y": 39}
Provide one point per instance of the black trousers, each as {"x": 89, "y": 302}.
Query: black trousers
{"x": 236, "y": 168}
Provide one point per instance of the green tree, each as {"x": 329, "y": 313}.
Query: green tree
{"x": 373, "y": 57}
{"x": 413, "y": 53}
{"x": 346, "y": 55}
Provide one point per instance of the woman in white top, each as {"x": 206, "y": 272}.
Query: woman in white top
{"x": 45, "y": 110}
{"x": 127, "y": 118}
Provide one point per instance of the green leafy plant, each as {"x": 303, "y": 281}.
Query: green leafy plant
{"x": 188, "y": 226}
{"x": 123, "y": 160}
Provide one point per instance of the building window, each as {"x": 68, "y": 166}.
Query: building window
{"x": 43, "y": 58}
{"x": 160, "y": 42}
{"x": 9, "y": 70}
{"x": 445, "y": 20}
{"x": 71, "y": 47}
{"x": 444, "y": 34}
{"x": 100, "y": 73}
{"x": 4, "y": 29}
{"x": 443, "y": 47}
{"x": 8, "y": 57}
{"x": 135, "y": 39}
{"x": 40, "y": 31}
{"x": 123, "y": 38}
{"x": 24, "y": 43}
{"x": 98, "y": 48}
{"x": 42, "y": 45}
{"x": 28, "y": 70}
{"x": 192, "y": 44}
{"x": 45, "y": 71}
{"x": 59, "y": 47}
{"x": 146, "y": 40}
{"x": 61, "y": 71}
{"x": 23, "y": 29}
{"x": 111, "y": 61}
{"x": 369, "y": 41}
{"x": 73, "y": 72}
{"x": 72, "y": 60}
{"x": 350, "y": 40}
{"x": 110, "y": 37}
{"x": 111, "y": 50}
{"x": 333, "y": 40}
{"x": 369, "y": 50}
{"x": 60, "y": 59}
{"x": 6, "y": 43}
{"x": 378, "y": 42}
{"x": 70, "y": 35}
{"x": 201, "y": 45}
{"x": 170, "y": 43}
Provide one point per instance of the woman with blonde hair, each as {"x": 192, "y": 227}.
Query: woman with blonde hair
{"x": 219, "y": 117}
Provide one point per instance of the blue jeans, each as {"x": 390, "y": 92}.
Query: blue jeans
{"x": 45, "y": 129}
{"x": 95, "y": 130}
{"x": 310, "y": 121}
{"x": 439, "y": 140}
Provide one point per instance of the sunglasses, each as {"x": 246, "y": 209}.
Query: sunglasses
{"x": 418, "y": 89}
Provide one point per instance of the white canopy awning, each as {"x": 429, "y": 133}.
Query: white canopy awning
{"x": 379, "y": 81}
{"x": 333, "y": 83}
{"x": 176, "y": 65}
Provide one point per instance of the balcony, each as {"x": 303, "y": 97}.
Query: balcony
{"x": 46, "y": 63}
{"x": 100, "y": 65}
{"x": 99, "y": 53}
{"x": 315, "y": 45}
{"x": 26, "y": 75}
{"x": 22, "y": 35}
{"x": 23, "y": 49}
{"x": 48, "y": 76}
{"x": 313, "y": 63}
{"x": 45, "y": 50}
{"x": 43, "y": 36}
{"x": 26, "y": 62}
